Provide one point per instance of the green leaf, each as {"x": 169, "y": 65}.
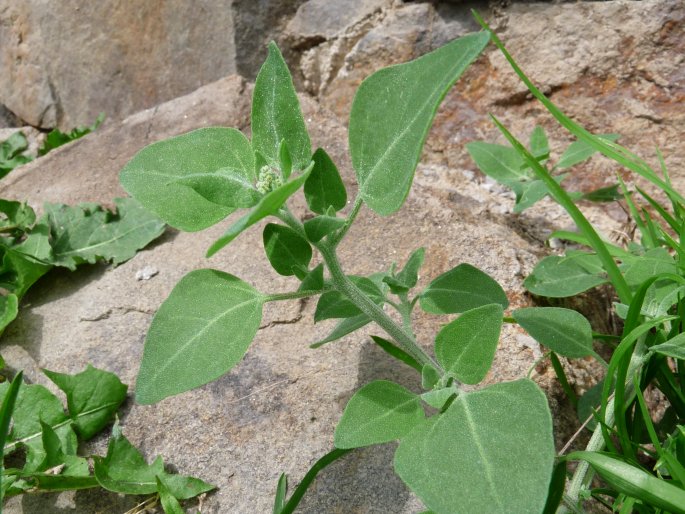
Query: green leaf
{"x": 674, "y": 347}
{"x": 276, "y": 114}
{"x": 9, "y": 308}
{"x": 36, "y": 405}
{"x": 124, "y": 470}
{"x": 313, "y": 281}
{"x": 466, "y": 346}
{"x": 556, "y": 488}
{"x": 502, "y": 163}
{"x": 285, "y": 160}
{"x": 199, "y": 333}
{"x": 563, "y": 331}
{"x": 57, "y": 138}
{"x": 88, "y": 233}
{"x": 429, "y": 376}
{"x": 281, "y": 492}
{"x": 18, "y": 215}
{"x": 324, "y": 188}
{"x": 319, "y": 227}
{"x": 269, "y": 204}
{"x": 539, "y": 146}
{"x": 589, "y": 402}
{"x": 11, "y": 153}
{"x": 409, "y": 276}
{"x": 93, "y": 397}
{"x": 334, "y": 304}
{"x": 379, "y": 412}
{"x": 228, "y": 190}
{"x": 286, "y": 250}
{"x": 437, "y": 398}
{"x": 20, "y": 271}
{"x": 150, "y": 176}
{"x": 461, "y": 289}
{"x": 6, "y": 411}
{"x": 491, "y": 451}
{"x": 397, "y": 352}
{"x": 169, "y": 503}
{"x": 561, "y": 277}
{"x": 579, "y": 151}
{"x": 634, "y": 482}
{"x": 654, "y": 262}
{"x": 603, "y": 194}
{"x": 529, "y": 194}
{"x": 344, "y": 327}
{"x": 391, "y": 114}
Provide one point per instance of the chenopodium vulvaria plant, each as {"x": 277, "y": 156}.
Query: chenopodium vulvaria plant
{"x": 486, "y": 450}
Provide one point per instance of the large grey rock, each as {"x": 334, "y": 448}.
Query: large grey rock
{"x": 61, "y": 65}
{"x": 276, "y": 411}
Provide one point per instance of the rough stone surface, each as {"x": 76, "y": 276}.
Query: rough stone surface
{"x": 62, "y": 66}
{"x": 276, "y": 410}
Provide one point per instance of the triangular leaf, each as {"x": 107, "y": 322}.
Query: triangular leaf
{"x": 276, "y": 114}
{"x": 324, "y": 187}
{"x": 460, "y": 289}
{"x": 379, "y": 412}
{"x": 149, "y": 177}
{"x": 200, "y": 332}
{"x": 563, "y": 331}
{"x": 286, "y": 250}
{"x": 492, "y": 449}
{"x": 391, "y": 114}
{"x": 466, "y": 346}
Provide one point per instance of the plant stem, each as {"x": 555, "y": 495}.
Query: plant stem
{"x": 338, "y": 236}
{"x": 343, "y": 284}
{"x": 373, "y": 311}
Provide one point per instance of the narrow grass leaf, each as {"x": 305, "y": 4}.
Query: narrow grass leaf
{"x": 6, "y": 411}
{"x": 556, "y": 488}
{"x": 491, "y": 451}
{"x": 281, "y": 492}
{"x": 563, "y": 331}
{"x": 149, "y": 177}
{"x": 391, "y": 114}
{"x": 466, "y": 346}
{"x": 634, "y": 482}
{"x": 199, "y": 333}
{"x": 268, "y": 205}
{"x": 276, "y": 114}
{"x": 324, "y": 188}
{"x": 379, "y": 412}
{"x": 460, "y": 289}
{"x": 286, "y": 249}
{"x": 93, "y": 397}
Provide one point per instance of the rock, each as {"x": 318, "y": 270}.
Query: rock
{"x": 276, "y": 411}
{"x": 62, "y": 66}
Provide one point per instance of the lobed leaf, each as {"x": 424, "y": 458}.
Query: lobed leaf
{"x": 491, "y": 451}
{"x": 466, "y": 346}
{"x": 199, "y": 333}
{"x": 379, "y": 412}
{"x": 93, "y": 397}
{"x": 324, "y": 188}
{"x": 391, "y": 114}
{"x": 152, "y": 175}
{"x": 276, "y": 114}
{"x": 460, "y": 289}
{"x": 88, "y": 233}
{"x": 563, "y": 331}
